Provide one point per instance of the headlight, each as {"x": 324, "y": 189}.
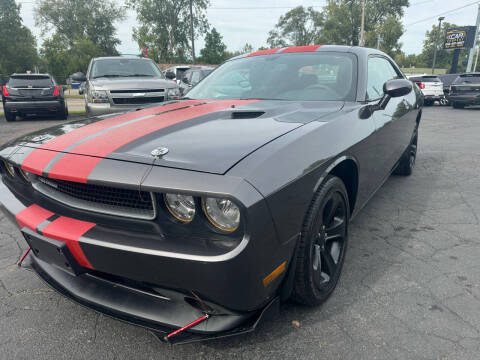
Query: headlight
{"x": 9, "y": 167}
{"x": 173, "y": 93}
{"x": 24, "y": 175}
{"x": 182, "y": 207}
{"x": 222, "y": 213}
{"x": 98, "y": 96}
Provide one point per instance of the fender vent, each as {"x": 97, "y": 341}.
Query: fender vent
{"x": 247, "y": 114}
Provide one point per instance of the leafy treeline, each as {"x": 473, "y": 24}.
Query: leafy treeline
{"x": 18, "y": 48}
{"x": 74, "y": 31}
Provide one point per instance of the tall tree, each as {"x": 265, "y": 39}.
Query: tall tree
{"x": 81, "y": 19}
{"x": 214, "y": 50}
{"x": 18, "y": 51}
{"x": 164, "y": 27}
{"x": 299, "y": 26}
{"x": 343, "y": 19}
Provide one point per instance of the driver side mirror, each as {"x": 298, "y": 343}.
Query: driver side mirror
{"x": 185, "y": 80}
{"x": 170, "y": 75}
{"x": 392, "y": 88}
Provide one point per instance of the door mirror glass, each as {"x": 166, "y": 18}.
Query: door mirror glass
{"x": 79, "y": 76}
{"x": 170, "y": 75}
{"x": 397, "y": 87}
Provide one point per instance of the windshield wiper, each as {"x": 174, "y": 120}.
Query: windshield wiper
{"x": 139, "y": 75}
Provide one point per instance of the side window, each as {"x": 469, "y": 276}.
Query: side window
{"x": 188, "y": 76}
{"x": 195, "y": 77}
{"x": 379, "y": 72}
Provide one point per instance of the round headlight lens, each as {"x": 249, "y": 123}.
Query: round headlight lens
{"x": 222, "y": 213}
{"x": 24, "y": 175}
{"x": 182, "y": 207}
{"x": 9, "y": 167}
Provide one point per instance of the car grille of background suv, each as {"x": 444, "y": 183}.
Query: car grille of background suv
{"x": 137, "y": 100}
{"x": 98, "y": 198}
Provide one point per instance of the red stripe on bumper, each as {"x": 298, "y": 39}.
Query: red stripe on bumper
{"x": 69, "y": 231}
{"x": 38, "y": 159}
{"x": 306, "y": 48}
{"x": 73, "y": 167}
{"x": 32, "y": 216}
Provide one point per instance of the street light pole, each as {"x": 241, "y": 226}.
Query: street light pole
{"x": 362, "y": 26}
{"x": 191, "y": 32}
{"x": 436, "y": 42}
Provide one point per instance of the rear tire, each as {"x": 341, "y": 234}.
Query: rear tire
{"x": 428, "y": 103}
{"x": 63, "y": 114}
{"x": 457, "y": 105}
{"x": 9, "y": 116}
{"x": 323, "y": 244}
{"x": 407, "y": 161}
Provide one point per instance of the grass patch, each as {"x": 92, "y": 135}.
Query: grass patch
{"x": 76, "y": 112}
{"x": 74, "y": 96}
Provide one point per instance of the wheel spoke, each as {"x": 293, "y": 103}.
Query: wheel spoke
{"x": 334, "y": 203}
{"x": 328, "y": 263}
{"x": 336, "y": 231}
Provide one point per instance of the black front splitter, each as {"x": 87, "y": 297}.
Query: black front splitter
{"x": 135, "y": 310}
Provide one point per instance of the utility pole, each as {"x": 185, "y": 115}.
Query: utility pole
{"x": 362, "y": 26}
{"x": 472, "y": 50}
{"x": 191, "y": 31}
{"x": 476, "y": 59}
{"x": 379, "y": 41}
{"x": 436, "y": 42}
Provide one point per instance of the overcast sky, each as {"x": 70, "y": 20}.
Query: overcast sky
{"x": 248, "y": 20}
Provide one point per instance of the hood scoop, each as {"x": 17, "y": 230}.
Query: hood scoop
{"x": 247, "y": 114}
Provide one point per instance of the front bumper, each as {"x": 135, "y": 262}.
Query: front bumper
{"x": 471, "y": 99}
{"x": 134, "y": 279}
{"x": 34, "y": 107}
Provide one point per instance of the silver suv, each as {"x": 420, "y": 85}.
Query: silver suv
{"x": 117, "y": 84}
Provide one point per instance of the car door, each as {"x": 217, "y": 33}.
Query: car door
{"x": 392, "y": 123}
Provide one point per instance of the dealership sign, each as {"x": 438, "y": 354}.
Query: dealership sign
{"x": 459, "y": 38}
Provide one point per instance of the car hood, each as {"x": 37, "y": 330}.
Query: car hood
{"x": 200, "y": 135}
{"x": 132, "y": 83}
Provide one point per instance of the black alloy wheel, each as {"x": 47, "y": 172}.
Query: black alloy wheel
{"x": 323, "y": 244}
{"x": 9, "y": 116}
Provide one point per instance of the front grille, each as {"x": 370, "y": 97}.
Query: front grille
{"x": 99, "y": 198}
{"x": 137, "y": 100}
{"x": 136, "y": 91}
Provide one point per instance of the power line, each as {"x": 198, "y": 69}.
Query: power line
{"x": 443, "y": 13}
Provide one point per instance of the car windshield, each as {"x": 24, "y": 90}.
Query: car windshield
{"x": 124, "y": 68}
{"x": 30, "y": 81}
{"x": 467, "y": 79}
{"x": 295, "y": 76}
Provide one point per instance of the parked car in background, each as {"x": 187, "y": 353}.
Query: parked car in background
{"x": 465, "y": 90}
{"x": 81, "y": 88}
{"x": 197, "y": 217}
{"x": 193, "y": 76}
{"x": 117, "y": 84}
{"x": 33, "y": 94}
{"x": 175, "y": 73}
{"x": 447, "y": 80}
{"x": 432, "y": 88}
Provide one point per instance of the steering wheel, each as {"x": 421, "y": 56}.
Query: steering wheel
{"x": 321, "y": 87}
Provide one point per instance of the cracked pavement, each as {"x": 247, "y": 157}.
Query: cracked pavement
{"x": 410, "y": 287}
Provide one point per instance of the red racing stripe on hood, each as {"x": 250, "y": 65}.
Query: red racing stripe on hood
{"x": 69, "y": 231}
{"x": 38, "y": 159}
{"x": 76, "y": 167}
{"x": 32, "y": 216}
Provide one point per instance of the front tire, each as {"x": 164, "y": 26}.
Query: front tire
{"x": 323, "y": 244}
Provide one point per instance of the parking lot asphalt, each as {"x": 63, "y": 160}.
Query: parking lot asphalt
{"x": 410, "y": 287}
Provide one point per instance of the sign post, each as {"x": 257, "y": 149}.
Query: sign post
{"x": 475, "y": 37}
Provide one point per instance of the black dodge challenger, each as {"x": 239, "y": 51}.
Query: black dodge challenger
{"x": 194, "y": 218}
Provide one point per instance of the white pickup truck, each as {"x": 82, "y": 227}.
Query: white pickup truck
{"x": 432, "y": 88}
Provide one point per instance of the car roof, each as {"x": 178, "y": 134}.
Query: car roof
{"x": 474, "y": 74}
{"x": 121, "y": 57}
{"x": 313, "y": 48}
{"x": 201, "y": 67}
